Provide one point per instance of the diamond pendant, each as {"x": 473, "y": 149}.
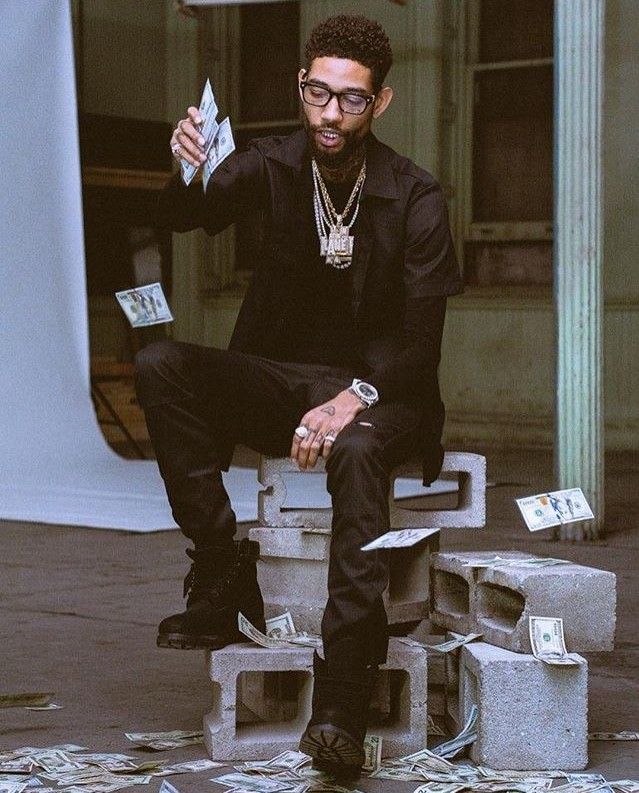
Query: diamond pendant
{"x": 338, "y": 248}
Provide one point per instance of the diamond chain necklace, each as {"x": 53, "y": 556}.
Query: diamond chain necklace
{"x": 336, "y": 244}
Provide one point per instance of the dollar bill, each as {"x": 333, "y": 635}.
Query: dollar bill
{"x": 500, "y": 561}
{"x": 188, "y": 767}
{"x": 50, "y": 706}
{"x": 298, "y": 639}
{"x": 402, "y": 538}
{"x": 26, "y": 699}
{"x": 249, "y": 782}
{"x": 454, "y": 644}
{"x": 552, "y": 509}
{"x": 467, "y": 736}
{"x": 547, "y": 641}
{"x": 282, "y": 625}
{"x": 440, "y": 787}
{"x": 221, "y": 146}
{"x": 624, "y": 735}
{"x": 145, "y": 305}
{"x": 161, "y": 741}
{"x": 167, "y": 787}
{"x": 208, "y": 113}
{"x": 372, "y": 752}
{"x": 433, "y": 728}
{"x": 625, "y": 785}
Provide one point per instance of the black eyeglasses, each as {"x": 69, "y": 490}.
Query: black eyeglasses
{"x": 348, "y": 102}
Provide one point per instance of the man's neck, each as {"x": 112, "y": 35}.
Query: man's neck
{"x": 347, "y": 171}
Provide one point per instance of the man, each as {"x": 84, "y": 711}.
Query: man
{"x": 334, "y": 353}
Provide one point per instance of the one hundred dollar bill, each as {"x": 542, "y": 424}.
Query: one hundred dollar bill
{"x": 402, "y": 538}
{"x": 298, "y": 639}
{"x": 467, "y": 736}
{"x": 161, "y": 741}
{"x": 208, "y": 113}
{"x": 552, "y": 509}
{"x": 547, "y": 641}
{"x": 281, "y": 625}
{"x": 372, "y": 752}
{"x": 219, "y": 149}
{"x": 455, "y": 643}
{"x": 145, "y": 305}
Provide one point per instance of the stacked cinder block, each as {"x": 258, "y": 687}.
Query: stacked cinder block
{"x": 262, "y": 696}
{"x": 234, "y": 731}
{"x": 531, "y": 715}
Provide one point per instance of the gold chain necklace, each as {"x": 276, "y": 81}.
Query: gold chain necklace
{"x": 336, "y": 243}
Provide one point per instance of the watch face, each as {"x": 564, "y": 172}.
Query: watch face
{"x": 367, "y": 391}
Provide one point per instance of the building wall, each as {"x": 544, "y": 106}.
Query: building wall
{"x": 498, "y": 358}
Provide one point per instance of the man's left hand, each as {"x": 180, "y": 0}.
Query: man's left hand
{"x": 324, "y": 423}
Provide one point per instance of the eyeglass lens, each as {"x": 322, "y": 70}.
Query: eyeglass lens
{"x": 349, "y": 103}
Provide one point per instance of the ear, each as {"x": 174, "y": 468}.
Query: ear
{"x": 382, "y": 101}
{"x": 301, "y": 75}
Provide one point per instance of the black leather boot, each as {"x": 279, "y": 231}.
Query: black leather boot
{"x": 334, "y": 737}
{"x": 219, "y": 584}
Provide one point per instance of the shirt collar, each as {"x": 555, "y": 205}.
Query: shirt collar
{"x": 380, "y": 177}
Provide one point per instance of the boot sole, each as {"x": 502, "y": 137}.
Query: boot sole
{"x": 333, "y": 750}
{"x": 185, "y": 641}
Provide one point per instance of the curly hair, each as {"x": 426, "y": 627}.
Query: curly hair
{"x": 356, "y": 38}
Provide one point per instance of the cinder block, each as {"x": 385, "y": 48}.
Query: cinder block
{"x": 470, "y": 511}
{"x": 398, "y": 710}
{"x": 497, "y": 602}
{"x": 293, "y": 571}
{"x": 532, "y": 716}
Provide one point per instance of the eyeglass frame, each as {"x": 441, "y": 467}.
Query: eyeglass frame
{"x": 370, "y": 98}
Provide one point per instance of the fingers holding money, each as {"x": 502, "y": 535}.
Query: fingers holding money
{"x": 187, "y": 140}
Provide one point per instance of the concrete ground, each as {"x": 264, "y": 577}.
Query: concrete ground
{"x": 80, "y": 609}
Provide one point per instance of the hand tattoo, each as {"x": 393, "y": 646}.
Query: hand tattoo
{"x": 328, "y": 409}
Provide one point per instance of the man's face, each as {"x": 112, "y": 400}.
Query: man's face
{"x": 335, "y": 135}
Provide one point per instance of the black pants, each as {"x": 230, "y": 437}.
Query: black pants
{"x": 199, "y": 402}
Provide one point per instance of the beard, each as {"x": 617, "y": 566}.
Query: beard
{"x": 340, "y": 163}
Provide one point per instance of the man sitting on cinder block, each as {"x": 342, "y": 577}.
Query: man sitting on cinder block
{"x": 335, "y": 353}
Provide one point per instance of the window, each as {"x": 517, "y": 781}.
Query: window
{"x": 504, "y": 179}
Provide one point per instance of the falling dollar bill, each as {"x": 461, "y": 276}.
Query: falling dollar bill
{"x": 548, "y": 643}
{"x": 145, "y": 305}
{"x": 455, "y": 643}
{"x": 402, "y": 538}
{"x": 552, "y": 509}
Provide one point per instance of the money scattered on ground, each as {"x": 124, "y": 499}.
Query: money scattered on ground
{"x": 145, "y": 305}
{"x": 467, "y": 736}
{"x": 455, "y": 643}
{"x": 372, "y": 752}
{"x": 624, "y": 735}
{"x": 26, "y": 700}
{"x": 499, "y": 561}
{"x": 552, "y": 509}
{"x": 161, "y": 741}
{"x": 547, "y": 641}
{"x": 297, "y": 639}
{"x": 50, "y": 706}
{"x": 399, "y": 539}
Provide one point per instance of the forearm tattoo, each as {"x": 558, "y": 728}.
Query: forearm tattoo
{"x": 328, "y": 409}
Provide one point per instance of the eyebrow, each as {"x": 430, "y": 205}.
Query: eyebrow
{"x": 349, "y": 90}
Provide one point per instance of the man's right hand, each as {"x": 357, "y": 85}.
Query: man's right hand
{"x": 188, "y": 137}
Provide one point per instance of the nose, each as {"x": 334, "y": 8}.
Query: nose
{"x": 331, "y": 111}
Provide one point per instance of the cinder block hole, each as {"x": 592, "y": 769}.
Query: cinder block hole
{"x": 269, "y": 697}
{"x": 408, "y": 574}
{"x": 306, "y": 490}
{"x": 411, "y": 494}
{"x": 450, "y": 593}
{"x": 499, "y": 606}
{"x": 391, "y": 698}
